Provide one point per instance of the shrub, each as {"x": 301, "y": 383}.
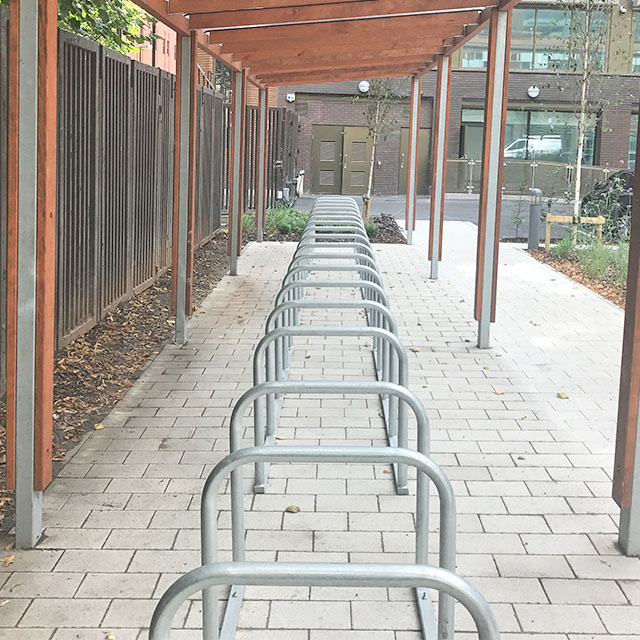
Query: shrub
{"x": 596, "y": 260}
{"x": 371, "y": 228}
{"x": 285, "y": 220}
{"x": 620, "y": 264}
{"x": 564, "y": 249}
{"x": 248, "y": 221}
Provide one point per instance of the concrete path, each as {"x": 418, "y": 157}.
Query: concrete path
{"x": 532, "y": 471}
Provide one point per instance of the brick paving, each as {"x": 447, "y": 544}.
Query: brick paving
{"x": 531, "y": 471}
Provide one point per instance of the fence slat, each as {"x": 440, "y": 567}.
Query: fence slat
{"x": 115, "y": 178}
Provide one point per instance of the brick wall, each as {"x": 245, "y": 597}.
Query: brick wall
{"x": 334, "y": 109}
{"x": 332, "y": 103}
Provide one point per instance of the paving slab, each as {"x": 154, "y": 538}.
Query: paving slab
{"x": 532, "y": 472}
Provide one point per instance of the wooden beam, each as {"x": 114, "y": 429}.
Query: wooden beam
{"x": 46, "y": 241}
{"x": 413, "y": 61}
{"x": 470, "y": 31}
{"x": 327, "y": 54}
{"x": 340, "y": 11}
{"x": 192, "y": 7}
{"x": 317, "y": 77}
{"x": 365, "y": 68}
{"x": 439, "y": 27}
{"x": 180, "y": 24}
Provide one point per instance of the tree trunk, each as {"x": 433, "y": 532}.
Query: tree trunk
{"x": 367, "y": 197}
{"x": 582, "y": 125}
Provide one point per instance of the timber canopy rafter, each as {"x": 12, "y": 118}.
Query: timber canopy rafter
{"x": 279, "y": 42}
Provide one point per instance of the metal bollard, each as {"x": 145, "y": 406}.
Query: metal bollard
{"x": 535, "y": 209}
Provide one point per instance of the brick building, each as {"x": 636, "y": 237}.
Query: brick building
{"x": 541, "y": 130}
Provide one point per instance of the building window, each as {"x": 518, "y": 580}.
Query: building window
{"x": 633, "y": 141}
{"x": 550, "y": 136}
{"x": 635, "y": 68}
{"x": 475, "y": 54}
{"x": 522, "y": 31}
{"x": 539, "y": 40}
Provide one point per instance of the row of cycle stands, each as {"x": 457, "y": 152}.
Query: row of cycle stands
{"x": 334, "y": 235}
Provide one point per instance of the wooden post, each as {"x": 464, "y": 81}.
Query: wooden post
{"x": 438, "y": 184}
{"x": 412, "y": 166}
{"x": 261, "y": 162}
{"x": 182, "y": 185}
{"x": 31, "y": 240}
{"x": 193, "y": 133}
{"x": 46, "y": 240}
{"x": 547, "y": 234}
{"x": 12, "y": 238}
{"x": 626, "y": 473}
{"x": 492, "y": 161}
{"x": 236, "y": 167}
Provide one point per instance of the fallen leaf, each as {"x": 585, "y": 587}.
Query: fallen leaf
{"x": 562, "y": 396}
{"x": 4, "y": 602}
{"x": 386, "y": 471}
{"x": 98, "y": 425}
{"x": 282, "y": 438}
{"x": 8, "y": 560}
{"x": 109, "y": 635}
{"x": 499, "y": 393}
{"x": 486, "y": 368}
{"x": 292, "y": 508}
{"x": 520, "y": 457}
{"x": 414, "y": 349}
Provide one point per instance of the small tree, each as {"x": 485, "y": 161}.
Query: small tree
{"x": 117, "y": 24}
{"x": 580, "y": 66}
{"x": 379, "y": 114}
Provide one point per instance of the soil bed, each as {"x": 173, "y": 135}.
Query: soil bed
{"x": 611, "y": 292}
{"x": 388, "y": 233}
{"x": 94, "y": 372}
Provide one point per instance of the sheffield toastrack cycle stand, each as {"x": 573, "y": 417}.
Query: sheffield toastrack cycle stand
{"x": 334, "y": 223}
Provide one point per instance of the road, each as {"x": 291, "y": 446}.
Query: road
{"x": 456, "y": 208}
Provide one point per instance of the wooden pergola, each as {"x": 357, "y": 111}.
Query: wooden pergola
{"x": 268, "y": 43}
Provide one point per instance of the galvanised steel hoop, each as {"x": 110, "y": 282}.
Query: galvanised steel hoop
{"x": 395, "y": 370}
{"x": 323, "y": 574}
{"x": 339, "y": 455}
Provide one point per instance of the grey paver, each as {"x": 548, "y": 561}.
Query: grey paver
{"x": 532, "y": 473}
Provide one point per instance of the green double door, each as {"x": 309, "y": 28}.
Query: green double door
{"x": 340, "y": 160}
{"x": 424, "y": 150}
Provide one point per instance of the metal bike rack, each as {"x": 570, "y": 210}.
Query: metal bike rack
{"x": 392, "y": 369}
{"x": 239, "y": 573}
{"x": 316, "y": 455}
{"x": 334, "y": 223}
{"x": 274, "y": 350}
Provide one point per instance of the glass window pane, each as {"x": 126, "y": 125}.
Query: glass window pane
{"x": 475, "y": 53}
{"x": 636, "y": 43}
{"x": 515, "y": 137}
{"x": 633, "y": 140}
{"x": 522, "y": 30}
{"x": 473, "y": 115}
{"x": 553, "y": 28}
{"x": 553, "y": 136}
